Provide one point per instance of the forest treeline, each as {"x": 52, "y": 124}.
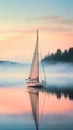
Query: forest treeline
{"x": 66, "y": 56}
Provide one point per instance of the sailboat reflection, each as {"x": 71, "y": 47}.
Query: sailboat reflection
{"x": 34, "y": 98}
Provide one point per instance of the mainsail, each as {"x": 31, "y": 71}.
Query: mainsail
{"x": 34, "y": 73}
{"x": 34, "y": 97}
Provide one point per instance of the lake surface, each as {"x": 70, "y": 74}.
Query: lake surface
{"x": 55, "y": 102}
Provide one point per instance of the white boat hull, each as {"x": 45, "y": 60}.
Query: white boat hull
{"x": 35, "y": 85}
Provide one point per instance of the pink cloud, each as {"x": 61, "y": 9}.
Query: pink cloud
{"x": 55, "y": 19}
{"x": 54, "y": 23}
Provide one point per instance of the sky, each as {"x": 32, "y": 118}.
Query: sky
{"x": 19, "y": 20}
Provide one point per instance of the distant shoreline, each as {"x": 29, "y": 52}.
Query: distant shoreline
{"x": 59, "y": 56}
{"x": 8, "y": 62}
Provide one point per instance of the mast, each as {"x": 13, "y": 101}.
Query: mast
{"x": 38, "y": 55}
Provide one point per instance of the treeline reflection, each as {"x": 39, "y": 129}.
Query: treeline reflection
{"x": 59, "y": 92}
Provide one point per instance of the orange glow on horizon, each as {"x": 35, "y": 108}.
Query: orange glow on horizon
{"x": 20, "y": 45}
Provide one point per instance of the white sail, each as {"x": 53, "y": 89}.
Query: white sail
{"x": 34, "y": 73}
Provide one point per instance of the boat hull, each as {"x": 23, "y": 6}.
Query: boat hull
{"x": 35, "y": 85}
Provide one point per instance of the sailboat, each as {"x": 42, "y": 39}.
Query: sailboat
{"x": 33, "y": 80}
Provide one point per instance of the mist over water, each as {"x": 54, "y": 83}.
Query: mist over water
{"x": 12, "y": 75}
{"x": 57, "y": 74}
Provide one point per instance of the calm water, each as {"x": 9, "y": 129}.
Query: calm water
{"x": 15, "y": 105}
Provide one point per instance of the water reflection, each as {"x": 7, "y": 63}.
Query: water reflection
{"x": 57, "y": 110}
{"x": 59, "y": 92}
{"x": 34, "y": 94}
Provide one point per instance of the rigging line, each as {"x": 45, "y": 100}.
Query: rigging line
{"x": 43, "y": 69}
{"x": 41, "y": 77}
{"x": 43, "y": 106}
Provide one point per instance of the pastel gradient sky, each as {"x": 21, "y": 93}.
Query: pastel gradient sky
{"x": 19, "y": 20}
